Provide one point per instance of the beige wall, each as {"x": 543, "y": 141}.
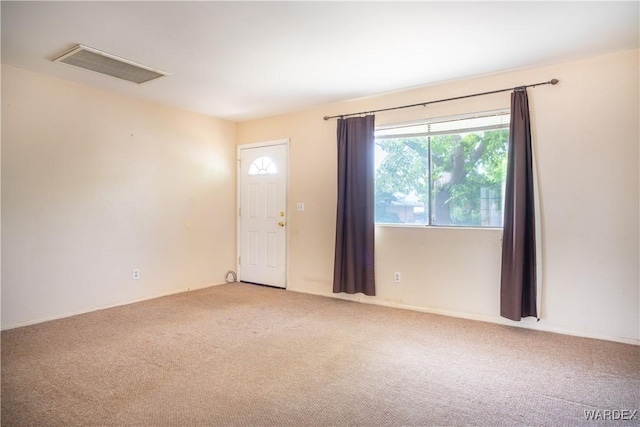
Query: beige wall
{"x": 586, "y": 134}
{"x": 96, "y": 184}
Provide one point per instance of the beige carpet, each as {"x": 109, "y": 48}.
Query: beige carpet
{"x": 240, "y": 354}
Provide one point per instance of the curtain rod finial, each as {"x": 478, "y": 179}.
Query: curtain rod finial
{"x": 326, "y": 118}
{"x": 554, "y": 81}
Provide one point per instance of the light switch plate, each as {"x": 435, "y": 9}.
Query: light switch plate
{"x": 300, "y": 207}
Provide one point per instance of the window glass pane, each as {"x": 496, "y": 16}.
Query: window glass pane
{"x": 402, "y": 180}
{"x": 442, "y": 171}
{"x": 467, "y": 178}
{"x": 262, "y": 166}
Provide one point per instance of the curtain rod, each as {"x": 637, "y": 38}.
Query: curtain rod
{"x": 550, "y": 82}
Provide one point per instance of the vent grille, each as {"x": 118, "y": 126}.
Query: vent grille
{"x": 111, "y": 65}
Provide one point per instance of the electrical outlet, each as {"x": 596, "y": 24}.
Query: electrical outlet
{"x": 396, "y": 277}
{"x": 136, "y": 274}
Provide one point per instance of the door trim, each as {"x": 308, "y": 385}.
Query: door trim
{"x": 285, "y": 142}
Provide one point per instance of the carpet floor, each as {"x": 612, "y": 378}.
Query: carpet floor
{"x": 246, "y": 355}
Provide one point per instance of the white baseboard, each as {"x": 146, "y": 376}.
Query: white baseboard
{"x": 525, "y": 323}
{"x": 104, "y": 307}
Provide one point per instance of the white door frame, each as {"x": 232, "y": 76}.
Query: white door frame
{"x": 285, "y": 142}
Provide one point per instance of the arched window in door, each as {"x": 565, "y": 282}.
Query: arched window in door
{"x": 263, "y": 166}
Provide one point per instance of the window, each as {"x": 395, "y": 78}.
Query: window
{"x": 448, "y": 171}
{"x": 262, "y": 166}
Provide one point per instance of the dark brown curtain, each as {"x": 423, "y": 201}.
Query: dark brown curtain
{"x": 354, "y": 262}
{"x": 518, "y": 281}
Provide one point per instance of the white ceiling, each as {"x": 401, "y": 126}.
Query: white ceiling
{"x": 244, "y": 60}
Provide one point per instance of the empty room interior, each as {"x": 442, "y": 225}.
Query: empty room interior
{"x": 307, "y": 213}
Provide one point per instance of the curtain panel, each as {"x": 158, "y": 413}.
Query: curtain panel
{"x": 518, "y": 275}
{"x": 355, "y": 229}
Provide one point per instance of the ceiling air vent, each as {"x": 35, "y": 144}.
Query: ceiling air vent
{"x": 111, "y": 65}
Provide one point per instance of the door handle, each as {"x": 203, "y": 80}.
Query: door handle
{"x": 281, "y": 223}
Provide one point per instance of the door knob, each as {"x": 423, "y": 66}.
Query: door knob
{"x": 281, "y": 223}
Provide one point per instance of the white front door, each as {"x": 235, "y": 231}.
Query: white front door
{"x": 262, "y": 213}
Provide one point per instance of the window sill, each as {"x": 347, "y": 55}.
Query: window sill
{"x": 438, "y": 227}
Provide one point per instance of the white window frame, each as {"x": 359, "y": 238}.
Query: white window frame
{"x": 393, "y": 130}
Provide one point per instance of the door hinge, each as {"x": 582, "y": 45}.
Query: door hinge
{"x": 239, "y": 211}
{"x": 239, "y": 259}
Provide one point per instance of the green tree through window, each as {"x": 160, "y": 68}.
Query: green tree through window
{"x": 448, "y": 172}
